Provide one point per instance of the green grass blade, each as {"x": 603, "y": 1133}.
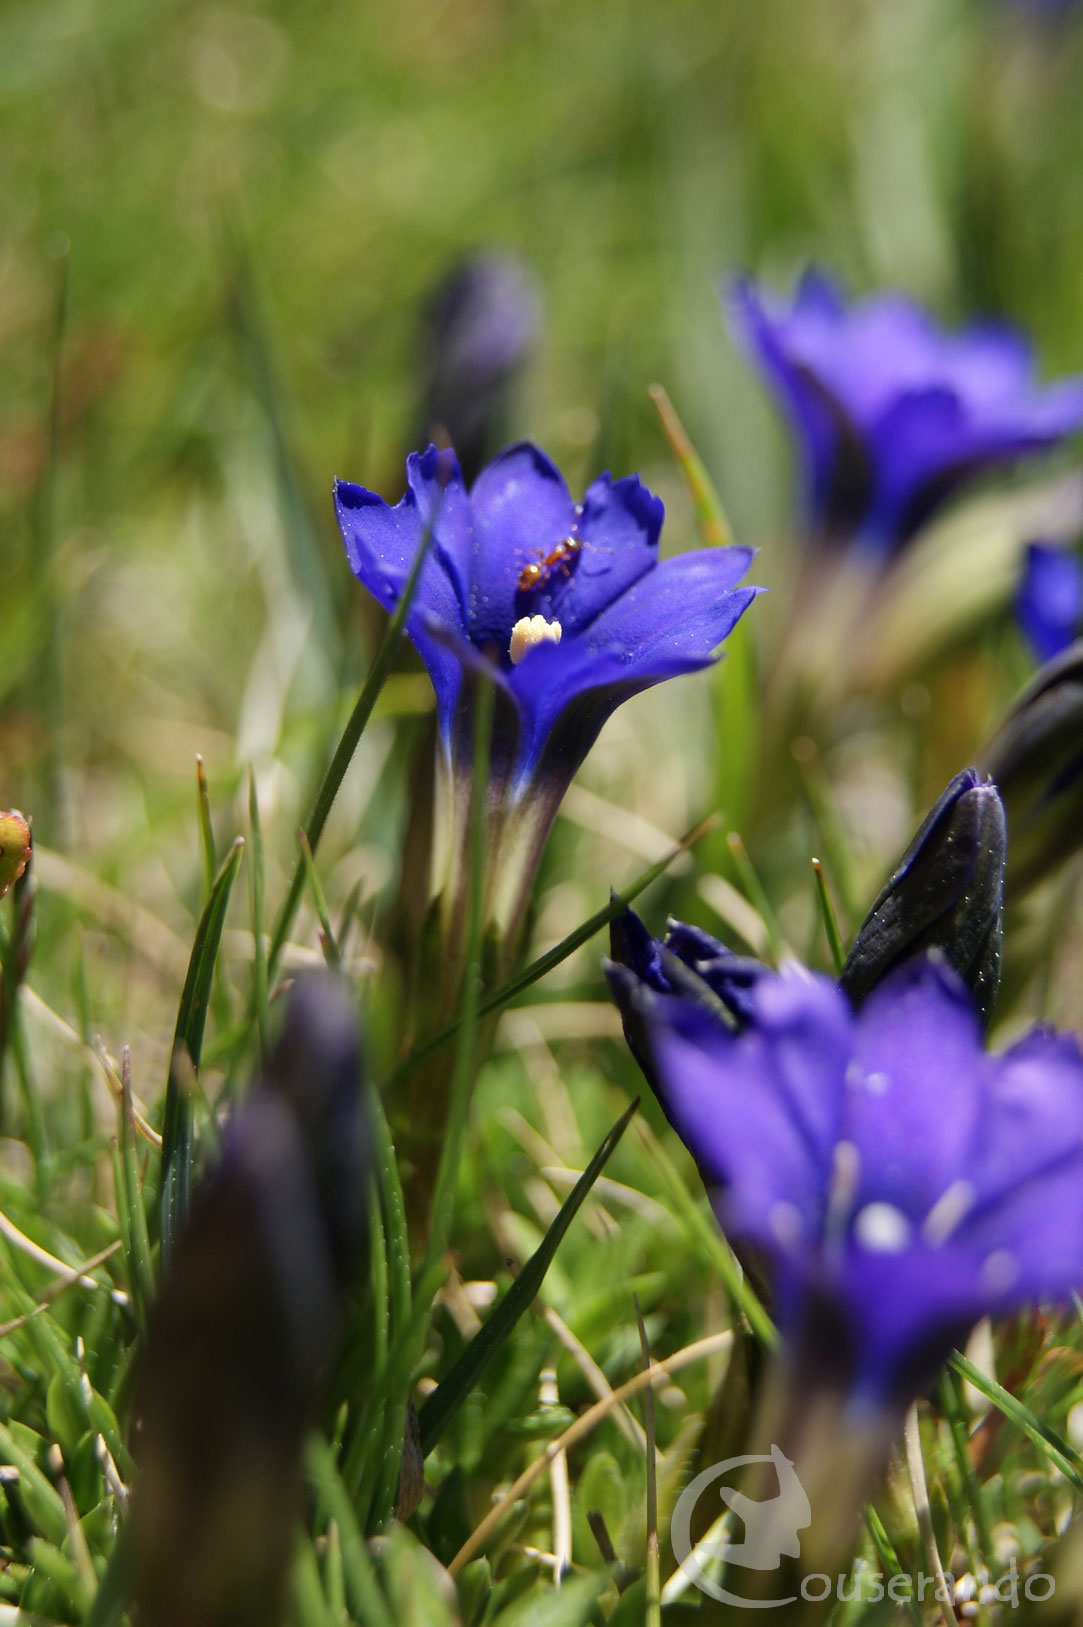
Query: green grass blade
{"x": 1048, "y": 1442}
{"x": 114, "y": 1590}
{"x": 831, "y": 925}
{"x": 206, "y": 828}
{"x": 449, "y": 1395}
{"x": 394, "y": 1207}
{"x": 362, "y": 1587}
{"x": 451, "y": 1152}
{"x": 330, "y": 945}
{"x": 139, "y": 1262}
{"x": 714, "y": 527}
{"x": 310, "y": 1608}
{"x": 255, "y": 898}
{"x": 572, "y": 1605}
{"x": 705, "y": 1234}
{"x": 188, "y": 1041}
{"x": 344, "y": 751}
{"x": 43, "y": 1502}
{"x": 560, "y": 952}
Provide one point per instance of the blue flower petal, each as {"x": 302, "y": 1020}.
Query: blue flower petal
{"x": 760, "y": 1111}
{"x": 618, "y": 526}
{"x": 892, "y": 415}
{"x": 521, "y": 509}
{"x": 824, "y": 432}
{"x": 918, "y": 1027}
{"x": 1049, "y": 604}
{"x": 625, "y": 622}
{"x": 1033, "y": 1114}
{"x": 671, "y": 621}
{"x": 382, "y": 544}
{"x": 900, "y": 1182}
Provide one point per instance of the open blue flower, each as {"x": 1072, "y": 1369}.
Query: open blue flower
{"x": 1049, "y": 603}
{"x": 565, "y": 605}
{"x": 892, "y": 414}
{"x": 898, "y": 1182}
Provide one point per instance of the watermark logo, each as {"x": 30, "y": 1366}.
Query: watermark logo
{"x": 770, "y": 1531}
{"x": 771, "y": 1526}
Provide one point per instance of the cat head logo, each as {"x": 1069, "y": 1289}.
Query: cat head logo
{"x": 770, "y": 1526}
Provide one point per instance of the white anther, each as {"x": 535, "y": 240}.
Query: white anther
{"x": 882, "y": 1228}
{"x": 530, "y": 631}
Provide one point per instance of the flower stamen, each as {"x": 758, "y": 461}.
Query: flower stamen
{"x": 950, "y": 1208}
{"x": 882, "y": 1228}
{"x": 530, "y": 631}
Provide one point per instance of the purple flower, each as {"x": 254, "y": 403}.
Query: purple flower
{"x": 898, "y": 1182}
{"x": 565, "y": 605}
{"x": 893, "y": 415}
{"x": 1049, "y": 603}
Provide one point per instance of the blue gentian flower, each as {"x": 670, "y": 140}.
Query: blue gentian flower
{"x": 564, "y": 605}
{"x": 897, "y": 1182}
{"x": 893, "y": 415}
{"x": 1049, "y": 603}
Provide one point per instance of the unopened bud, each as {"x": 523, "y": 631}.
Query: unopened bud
{"x": 1036, "y": 759}
{"x": 479, "y": 330}
{"x": 245, "y": 1329}
{"x": 688, "y": 964}
{"x": 14, "y": 848}
{"x": 946, "y": 894}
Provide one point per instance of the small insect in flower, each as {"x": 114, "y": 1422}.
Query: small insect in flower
{"x": 14, "y": 848}
{"x": 537, "y": 572}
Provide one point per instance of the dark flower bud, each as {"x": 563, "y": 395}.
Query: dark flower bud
{"x": 1036, "y": 759}
{"x": 687, "y": 964}
{"x": 479, "y": 329}
{"x": 946, "y": 894}
{"x": 245, "y": 1326}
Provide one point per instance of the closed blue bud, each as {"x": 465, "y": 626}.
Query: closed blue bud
{"x": 1036, "y": 759}
{"x": 947, "y": 894}
{"x": 480, "y": 327}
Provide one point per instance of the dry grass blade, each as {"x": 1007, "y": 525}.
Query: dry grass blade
{"x": 713, "y": 1345}
{"x": 915, "y": 1466}
{"x": 71, "y": 1276}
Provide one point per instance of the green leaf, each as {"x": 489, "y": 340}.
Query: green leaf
{"x": 188, "y": 1042}
{"x": 362, "y": 1586}
{"x": 42, "y": 1501}
{"x": 448, "y": 1397}
{"x": 348, "y": 744}
{"x": 310, "y": 1608}
{"x": 571, "y": 1605}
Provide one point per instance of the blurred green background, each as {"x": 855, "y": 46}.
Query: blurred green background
{"x": 218, "y": 228}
